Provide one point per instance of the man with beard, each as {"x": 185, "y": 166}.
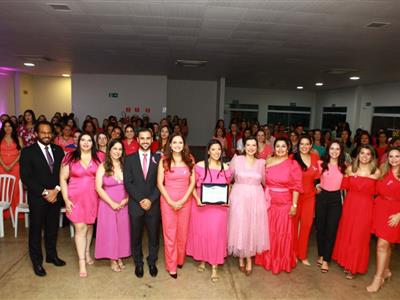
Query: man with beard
{"x": 140, "y": 179}
{"x": 40, "y": 168}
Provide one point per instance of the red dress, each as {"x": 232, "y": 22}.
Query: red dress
{"x": 281, "y": 180}
{"x": 387, "y": 204}
{"x": 352, "y": 241}
{"x": 304, "y": 217}
{"x": 9, "y": 153}
{"x": 132, "y": 147}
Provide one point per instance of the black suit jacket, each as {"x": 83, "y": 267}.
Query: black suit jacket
{"x": 35, "y": 171}
{"x": 139, "y": 188}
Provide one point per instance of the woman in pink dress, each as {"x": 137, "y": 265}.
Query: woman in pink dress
{"x": 77, "y": 181}
{"x": 264, "y": 149}
{"x": 207, "y": 237}
{"x": 113, "y": 227}
{"x": 283, "y": 179}
{"x": 175, "y": 181}
{"x": 386, "y": 217}
{"x": 248, "y": 222}
{"x": 66, "y": 139}
{"x": 354, "y": 233}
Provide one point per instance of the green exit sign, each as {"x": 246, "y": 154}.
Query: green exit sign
{"x": 113, "y": 95}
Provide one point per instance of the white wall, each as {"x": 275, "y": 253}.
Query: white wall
{"x": 264, "y": 97}
{"x": 7, "y": 104}
{"x": 90, "y": 95}
{"x": 196, "y": 101}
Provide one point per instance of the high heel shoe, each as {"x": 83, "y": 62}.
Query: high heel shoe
{"x": 201, "y": 267}
{"x": 388, "y": 275}
{"x": 214, "y": 274}
{"x": 376, "y": 284}
{"x": 248, "y": 271}
{"x": 242, "y": 267}
{"x": 82, "y": 265}
{"x": 121, "y": 264}
{"x": 173, "y": 275}
{"x": 89, "y": 259}
{"x": 115, "y": 266}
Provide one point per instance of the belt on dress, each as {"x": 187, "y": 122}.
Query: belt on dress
{"x": 279, "y": 190}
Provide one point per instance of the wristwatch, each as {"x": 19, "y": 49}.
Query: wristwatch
{"x": 58, "y": 188}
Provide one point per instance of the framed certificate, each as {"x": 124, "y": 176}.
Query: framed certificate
{"x": 214, "y": 193}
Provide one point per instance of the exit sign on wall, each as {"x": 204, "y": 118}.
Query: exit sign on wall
{"x": 113, "y": 95}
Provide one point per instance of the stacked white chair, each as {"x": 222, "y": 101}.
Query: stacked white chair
{"x": 21, "y": 208}
{"x": 7, "y": 184}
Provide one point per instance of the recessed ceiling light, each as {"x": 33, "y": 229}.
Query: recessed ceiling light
{"x": 354, "y": 78}
{"x": 66, "y": 75}
{"x": 319, "y": 84}
{"x": 300, "y": 87}
{"x": 29, "y": 64}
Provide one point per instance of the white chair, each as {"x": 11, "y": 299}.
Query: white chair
{"x": 71, "y": 227}
{"x": 7, "y": 184}
{"x": 22, "y": 208}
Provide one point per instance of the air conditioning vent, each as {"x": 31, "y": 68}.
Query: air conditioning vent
{"x": 191, "y": 63}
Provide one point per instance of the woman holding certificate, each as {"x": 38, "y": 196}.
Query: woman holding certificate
{"x": 175, "y": 180}
{"x": 207, "y": 237}
{"x": 248, "y": 226}
{"x": 284, "y": 181}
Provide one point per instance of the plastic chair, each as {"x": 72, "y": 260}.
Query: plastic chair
{"x": 71, "y": 227}
{"x": 22, "y": 208}
{"x": 7, "y": 184}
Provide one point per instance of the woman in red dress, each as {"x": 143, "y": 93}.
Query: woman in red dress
{"x": 304, "y": 217}
{"x": 352, "y": 241}
{"x": 10, "y": 149}
{"x": 131, "y": 145}
{"x": 283, "y": 180}
{"x": 386, "y": 217}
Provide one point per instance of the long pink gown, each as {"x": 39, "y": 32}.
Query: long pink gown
{"x": 175, "y": 224}
{"x": 281, "y": 179}
{"x": 207, "y": 238}
{"x": 113, "y": 228}
{"x": 248, "y": 223}
{"x": 82, "y": 192}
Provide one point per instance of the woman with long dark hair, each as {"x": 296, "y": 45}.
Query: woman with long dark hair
{"x": 329, "y": 202}
{"x": 175, "y": 180}
{"x": 78, "y": 172}
{"x": 283, "y": 180}
{"x": 354, "y": 233}
{"x": 113, "y": 227}
{"x": 303, "y": 220}
{"x": 207, "y": 238}
{"x": 386, "y": 217}
{"x": 27, "y": 129}
{"x": 160, "y": 145}
{"x": 10, "y": 150}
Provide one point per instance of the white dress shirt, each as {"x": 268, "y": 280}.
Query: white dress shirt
{"x": 42, "y": 147}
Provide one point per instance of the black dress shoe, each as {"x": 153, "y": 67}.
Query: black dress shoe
{"x": 180, "y": 266}
{"x": 174, "y": 276}
{"x": 58, "y": 262}
{"x": 39, "y": 270}
{"x": 153, "y": 270}
{"x": 139, "y": 271}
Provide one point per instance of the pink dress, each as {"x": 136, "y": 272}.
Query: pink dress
{"x": 248, "y": 223}
{"x": 207, "y": 238}
{"x": 82, "y": 192}
{"x": 281, "y": 179}
{"x": 266, "y": 151}
{"x": 113, "y": 228}
{"x": 175, "y": 224}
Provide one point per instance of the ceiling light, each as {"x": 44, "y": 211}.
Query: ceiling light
{"x": 191, "y": 63}
{"x": 29, "y": 64}
{"x": 300, "y": 87}
{"x": 354, "y": 78}
{"x": 319, "y": 84}
{"x": 60, "y": 7}
{"x": 66, "y": 75}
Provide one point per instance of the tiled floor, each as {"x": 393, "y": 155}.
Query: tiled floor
{"x": 17, "y": 280}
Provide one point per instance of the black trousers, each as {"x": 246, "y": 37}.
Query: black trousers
{"x": 152, "y": 222}
{"x": 328, "y": 210}
{"x": 43, "y": 216}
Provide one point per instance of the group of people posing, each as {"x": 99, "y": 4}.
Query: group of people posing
{"x": 276, "y": 194}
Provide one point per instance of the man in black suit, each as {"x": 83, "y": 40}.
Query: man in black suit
{"x": 140, "y": 178}
{"x": 40, "y": 168}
